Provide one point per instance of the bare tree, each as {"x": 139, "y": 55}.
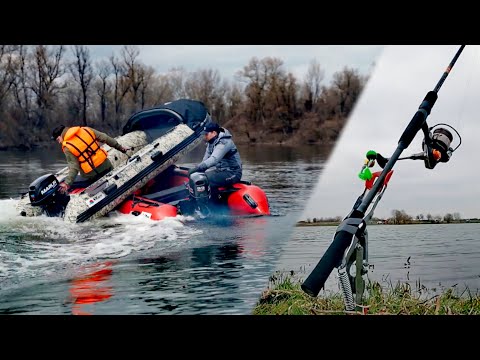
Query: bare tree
{"x": 133, "y": 71}
{"x": 7, "y": 73}
{"x": 313, "y": 80}
{"x": 256, "y": 78}
{"x": 21, "y": 87}
{"x": 120, "y": 87}
{"x": 348, "y": 85}
{"x": 234, "y": 99}
{"x": 176, "y": 78}
{"x": 161, "y": 89}
{"x": 146, "y": 75}
{"x": 220, "y": 109}
{"x": 46, "y": 70}
{"x": 82, "y": 72}
{"x": 400, "y": 217}
{"x": 288, "y": 91}
{"x": 103, "y": 87}
{"x": 448, "y": 218}
{"x": 204, "y": 85}
{"x": 273, "y": 103}
{"x": 263, "y": 80}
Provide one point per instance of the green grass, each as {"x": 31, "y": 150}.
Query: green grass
{"x": 285, "y": 297}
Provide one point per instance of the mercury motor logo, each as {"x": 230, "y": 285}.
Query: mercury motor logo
{"x": 52, "y": 185}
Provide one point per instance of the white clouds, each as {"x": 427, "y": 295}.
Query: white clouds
{"x": 403, "y": 76}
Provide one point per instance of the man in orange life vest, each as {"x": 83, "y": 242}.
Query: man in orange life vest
{"x": 81, "y": 146}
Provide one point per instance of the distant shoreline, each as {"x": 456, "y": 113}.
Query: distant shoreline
{"x": 330, "y": 223}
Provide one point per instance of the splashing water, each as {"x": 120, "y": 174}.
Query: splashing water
{"x": 34, "y": 245}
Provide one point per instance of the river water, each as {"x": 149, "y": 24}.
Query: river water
{"x": 122, "y": 264}
{"x": 431, "y": 256}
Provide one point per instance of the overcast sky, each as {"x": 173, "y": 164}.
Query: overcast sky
{"x": 402, "y": 77}
{"x": 228, "y": 59}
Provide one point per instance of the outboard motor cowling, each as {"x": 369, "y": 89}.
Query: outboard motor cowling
{"x": 199, "y": 187}
{"x": 43, "y": 192}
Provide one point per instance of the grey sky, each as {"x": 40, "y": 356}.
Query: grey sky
{"x": 228, "y": 59}
{"x": 402, "y": 77}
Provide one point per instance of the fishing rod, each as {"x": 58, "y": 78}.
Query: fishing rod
{"x": 351, "y": 237}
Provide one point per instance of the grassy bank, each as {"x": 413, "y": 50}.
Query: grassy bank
{"x": 285, "y": 297}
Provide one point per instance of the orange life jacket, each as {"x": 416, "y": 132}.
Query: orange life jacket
{"x": 83, "y": 144}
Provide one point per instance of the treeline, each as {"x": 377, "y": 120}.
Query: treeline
{"x": 399, "y": 217}
{"x": 314, "y": 220}
{"x": 42, "y": 86}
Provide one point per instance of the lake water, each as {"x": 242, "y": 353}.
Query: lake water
{"x": 441, "y": 255}
{"x": 128, "y": 265}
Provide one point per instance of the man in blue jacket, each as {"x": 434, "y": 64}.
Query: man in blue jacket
{"x": 221, "y": 163}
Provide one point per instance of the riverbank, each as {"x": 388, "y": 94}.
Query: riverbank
{"x": 285, "y": 297}
{"x": 333, "y": 223}
{"x": 320, "y": 146}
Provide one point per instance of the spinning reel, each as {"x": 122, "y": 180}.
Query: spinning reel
{"x": 436, "y": 146}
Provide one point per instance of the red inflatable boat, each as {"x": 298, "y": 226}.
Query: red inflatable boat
{"x": 169, "y": 190}
{"x": 172, "y": 193}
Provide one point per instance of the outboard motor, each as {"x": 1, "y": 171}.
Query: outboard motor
{"x": 199, "y": 189}
{"x": 43, "y": 192}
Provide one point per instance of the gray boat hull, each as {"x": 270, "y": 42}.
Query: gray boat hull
{"x": 111, "y": 190}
